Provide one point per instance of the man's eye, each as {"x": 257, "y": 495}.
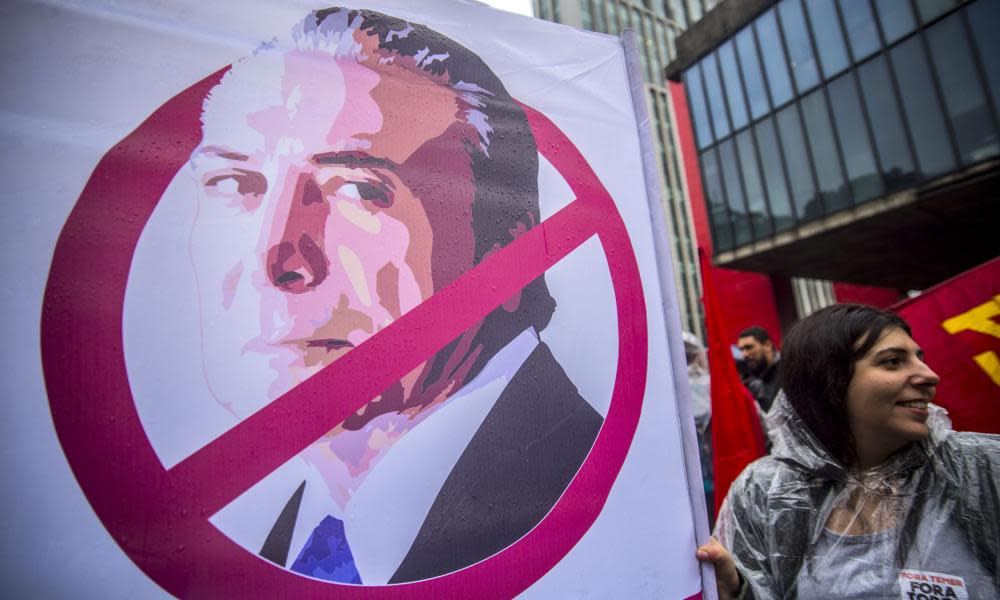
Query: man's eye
{"x": 238, "y": 182}
{"x": 377, "y": 194}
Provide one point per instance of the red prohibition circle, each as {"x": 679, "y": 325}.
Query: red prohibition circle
{"x": 159, "y": 517}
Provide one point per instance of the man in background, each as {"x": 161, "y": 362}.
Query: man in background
{"x": 762, "y": 376}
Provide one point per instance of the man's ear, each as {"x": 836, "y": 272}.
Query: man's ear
{"x": 521, "y": 227}
{"x": 510, "y": 304}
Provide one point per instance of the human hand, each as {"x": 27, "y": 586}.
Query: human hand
{"x": 727, "y": 578}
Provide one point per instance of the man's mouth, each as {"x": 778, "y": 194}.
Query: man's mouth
{"x": 914, "y": 404}
{"x": 329, "y": 344}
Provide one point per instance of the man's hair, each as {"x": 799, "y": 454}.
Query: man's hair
{"x": 817, "y": 364}
{"x": 504, "y": 162}
{"x": 756, "y": 332}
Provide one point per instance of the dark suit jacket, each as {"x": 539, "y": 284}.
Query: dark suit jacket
{"x": 516, "y": 466}
{"x": 765, "y": 386}
{"x": 523, "y": 456}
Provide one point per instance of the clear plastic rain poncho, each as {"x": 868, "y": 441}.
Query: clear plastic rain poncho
{"x": 925, "y": 524}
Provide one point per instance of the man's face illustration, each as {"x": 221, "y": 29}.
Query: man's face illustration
{"x": 322, "y": 182}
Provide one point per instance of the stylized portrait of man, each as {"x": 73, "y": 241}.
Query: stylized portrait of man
{"x": 346, "y": 176}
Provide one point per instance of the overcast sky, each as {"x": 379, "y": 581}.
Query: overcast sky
{"x": 516, "y": 6}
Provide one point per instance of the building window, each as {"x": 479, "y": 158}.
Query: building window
{"x": 932, "y": 9}
{"x": 623, "y": 17}
{"x": 718, "y": 216}
{"x": 694, "y": 11}
{"x": 774, "y": 175}
{"x": 922, "y": 108}
{"x": 677, "y": 12}
{"x": 646, "y": 45}
{"x": 666, "y": 51}
{"x": 984, "y": 18}
{"x": 811, "y": 295}
{"x": 887, "y": 94}
{"x": 760, "y": 221}
{"x": 896, "y": 18}
{"x": 799, "y": 172}
{"x": 800, "y": 54}
{"x": 833, "y": 193}
{"x": 600, "y": 22}
{"x": 734, "y": 89}
{"x": 716, "y": 101}
{"x": 891, "y": 141}
{"x": 829, "y": 39}
{"x": 965, "y": 100}
{"x": 865, "y": 181}
{"x": 752, "y": 76}
{"x": 862, "y": 32}
{"x": 774, "y": 58}
{"x": 734, "y": 192}
{"x": 699, "y": 111}
{"x": 586, "y": 16}
{"x": 542, "y": 9}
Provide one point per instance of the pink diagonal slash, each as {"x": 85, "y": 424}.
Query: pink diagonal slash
{"x": 273, "y": 435}
{"x": 158, "y": 517}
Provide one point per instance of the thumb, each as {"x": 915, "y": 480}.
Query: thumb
{"x": 711, "y": 551}
{"x": 726, "y": 574}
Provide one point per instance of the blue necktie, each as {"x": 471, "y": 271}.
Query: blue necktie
{"x": 326, "y": 555}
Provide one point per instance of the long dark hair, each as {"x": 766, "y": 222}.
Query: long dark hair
{"x": 817, "y": 364}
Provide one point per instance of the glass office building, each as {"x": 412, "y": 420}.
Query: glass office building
{"x": 657, "y": 25}
{"x": 819, "y": 113}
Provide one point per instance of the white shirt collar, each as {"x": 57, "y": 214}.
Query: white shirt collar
{"x": 385, "y": 513}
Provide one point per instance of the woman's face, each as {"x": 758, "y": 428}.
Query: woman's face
{"x": 887, "y": 397}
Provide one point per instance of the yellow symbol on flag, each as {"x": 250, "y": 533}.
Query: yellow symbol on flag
{"x": 980, "y": 320}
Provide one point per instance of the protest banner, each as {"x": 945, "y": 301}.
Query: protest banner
{"x": 294, "y": 334}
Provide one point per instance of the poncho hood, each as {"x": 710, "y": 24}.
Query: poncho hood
{"x": 794, "y": 444}
{"x": 776, "y": 511}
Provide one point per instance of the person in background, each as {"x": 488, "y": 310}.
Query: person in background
{"x": 701, "y": 409}
{"x": 762, "y": 375}
{"x": 867, "y": 493}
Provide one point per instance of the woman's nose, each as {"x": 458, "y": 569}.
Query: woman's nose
{"x": 927, "y": 376}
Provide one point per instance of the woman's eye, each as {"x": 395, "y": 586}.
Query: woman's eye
{"x": 891, "y": 362}
{"x": 375, "y": 193}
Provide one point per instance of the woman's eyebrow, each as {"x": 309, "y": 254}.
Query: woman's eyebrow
{"x": 898, "y": 350}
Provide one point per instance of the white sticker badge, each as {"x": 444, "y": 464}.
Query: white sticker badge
{"x": 927, "y": 585}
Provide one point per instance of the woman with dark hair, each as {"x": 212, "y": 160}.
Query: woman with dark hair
{"x": 867, "y": 492}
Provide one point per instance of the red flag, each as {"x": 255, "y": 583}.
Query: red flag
{"x": 737, "y": 439}
{"x": 957, "y": 323}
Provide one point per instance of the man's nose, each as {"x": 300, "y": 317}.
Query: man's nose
{"x": 296, "y": 259}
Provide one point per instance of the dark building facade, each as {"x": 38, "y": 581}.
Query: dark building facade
{"x": 668, "y": 31}
{"x": 848, "y": 140}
